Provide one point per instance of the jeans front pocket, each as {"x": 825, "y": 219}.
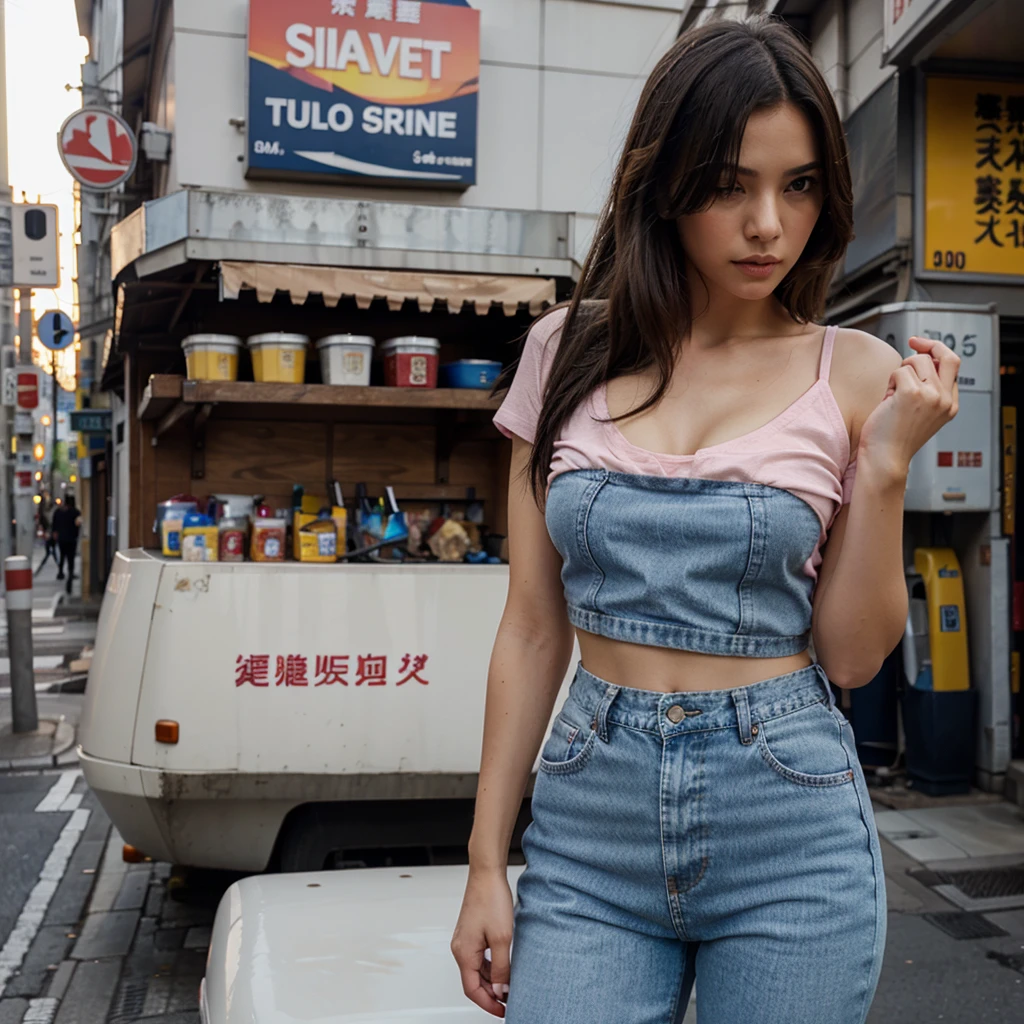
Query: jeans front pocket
{"x": 570, "y": 743}
{"x": 806, "y": 747}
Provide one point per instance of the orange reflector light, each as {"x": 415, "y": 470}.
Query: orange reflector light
{"x": 166, "y": 731}
{"x": 132, "y": 856}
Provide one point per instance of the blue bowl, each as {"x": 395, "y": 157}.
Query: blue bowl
{"x": 469, "y": 373}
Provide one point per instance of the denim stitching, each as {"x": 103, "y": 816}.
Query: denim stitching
{"x": 582, "y": 522}
{"x": 879, "y": 880}
{"x": 742, "y": 707}
{"x": 675, "y": 912}
{"x": 702, "y": 829}
{"x": 574, "y": 764}
{"x": 689, "y": 638}
{"x": 755, "y": 560}
{"x": 601, "y": 714}
{"x": 802, "y": 778}
{"x": 764, "y": 713}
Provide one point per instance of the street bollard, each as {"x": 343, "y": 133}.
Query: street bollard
{"x": 18, "y": 583}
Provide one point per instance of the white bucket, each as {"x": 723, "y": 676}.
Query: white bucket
{"x": 346, "y": 358}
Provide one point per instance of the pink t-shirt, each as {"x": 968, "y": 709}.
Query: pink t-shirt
{"x": 804, "y": 450}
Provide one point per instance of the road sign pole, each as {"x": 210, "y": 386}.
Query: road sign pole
{"x": 6, "y": 317}
{"x": 55, "y": 331}
{"x": 18, "y": 587}
{"x": 53, "y": 447}
{"x": 24, "y": 507}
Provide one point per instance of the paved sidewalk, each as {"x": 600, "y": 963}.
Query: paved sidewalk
{"x": 955, "y": 885}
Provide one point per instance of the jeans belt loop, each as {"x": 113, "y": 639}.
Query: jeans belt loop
{"x": 601, "y": 716}
{"x": 739, "y": 698}
{"x": 827, "y": 685}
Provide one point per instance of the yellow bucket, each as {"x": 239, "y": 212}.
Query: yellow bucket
{"x": 278, "y": 357}
{"x": 211, "y": 356}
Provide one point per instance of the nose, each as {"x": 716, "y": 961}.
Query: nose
{"x": 764, "y": 223}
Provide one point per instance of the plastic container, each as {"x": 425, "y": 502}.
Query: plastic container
{"x": 268, "y": 539}
{"x": 211, "y": 356}
{"x": 234, "y": 506}
{"x": 410, "y": 362}
{"x": 170, "y": 521}
{"x": 278, "y": 357}
{"x": 346, "y": 358}
{"x": 232, "y": 532}
{"x": 470, "y": 373}
{"x": 318, "y": 541}
{"x": 199, "y": 540}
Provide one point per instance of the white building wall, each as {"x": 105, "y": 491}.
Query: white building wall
{"x": 559, "y": 80}
{"x": 846, "y": 40}
{"x": 828, "y": 48}
{"x": 865, "y": 73}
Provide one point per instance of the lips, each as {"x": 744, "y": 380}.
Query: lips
{"x": 757, "y": 266}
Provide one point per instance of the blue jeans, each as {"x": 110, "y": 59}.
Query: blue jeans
{"x": 724, "y": 836}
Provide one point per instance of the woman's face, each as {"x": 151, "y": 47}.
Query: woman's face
{"x": 751, "y": 235}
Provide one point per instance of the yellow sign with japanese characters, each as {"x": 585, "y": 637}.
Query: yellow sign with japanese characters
{"x": 974, "y": 176}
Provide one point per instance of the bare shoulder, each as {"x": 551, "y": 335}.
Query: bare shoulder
{"x": 861, "y": 367}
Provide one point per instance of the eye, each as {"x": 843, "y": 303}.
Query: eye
{"x": 729, "y": 190}
{"x": 803, "y": 184}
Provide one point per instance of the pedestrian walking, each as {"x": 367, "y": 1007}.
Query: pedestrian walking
{"x": 46, "y": 526}
{"x": 704, "y": 479}
{"x": 67, "y": 521}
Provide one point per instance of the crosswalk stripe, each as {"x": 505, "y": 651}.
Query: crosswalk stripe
{"x": 31, "y": 917}
{"x": 59, "y": 792}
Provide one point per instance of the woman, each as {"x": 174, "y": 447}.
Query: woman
{"x": 45, "y": 516}
{"x": 685, "y": 440}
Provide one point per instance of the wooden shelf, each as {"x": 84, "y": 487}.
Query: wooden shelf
{"x": 164, "y": 392}
{"x": 202, "y": 392}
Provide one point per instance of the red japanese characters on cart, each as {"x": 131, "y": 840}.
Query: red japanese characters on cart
{"x": 98, "y": 148}
{"x": 264, "y": 670}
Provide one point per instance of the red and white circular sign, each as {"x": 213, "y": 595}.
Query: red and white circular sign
{"x": 98, "y": 148}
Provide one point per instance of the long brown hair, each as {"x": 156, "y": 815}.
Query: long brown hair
{"x": 632, "y": 305}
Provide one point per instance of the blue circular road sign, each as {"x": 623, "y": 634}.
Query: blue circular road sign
{"x": 56, "y": 330}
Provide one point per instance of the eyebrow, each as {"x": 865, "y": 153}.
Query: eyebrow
{"x": 802, "y": 169}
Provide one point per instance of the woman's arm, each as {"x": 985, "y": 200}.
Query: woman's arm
{"x": 530, "y": 657}
{"x": 860, "y": 604}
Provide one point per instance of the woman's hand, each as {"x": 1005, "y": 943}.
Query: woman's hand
{"x": 922, "y": 397}
{"x": 485, "y": 922}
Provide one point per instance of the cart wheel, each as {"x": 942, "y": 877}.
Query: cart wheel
{"x": 309, "y": 838}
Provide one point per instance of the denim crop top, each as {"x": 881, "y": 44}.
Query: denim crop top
{"x": 715, "y": 552}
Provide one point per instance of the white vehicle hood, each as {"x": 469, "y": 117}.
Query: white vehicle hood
{"x": 362, "y": 946}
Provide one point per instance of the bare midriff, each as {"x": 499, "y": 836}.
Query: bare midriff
{"x": 670, "y": 671}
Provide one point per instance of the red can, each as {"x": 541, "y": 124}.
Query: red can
{"x": 232, "y": 540}
{"x": 411, "y": 362}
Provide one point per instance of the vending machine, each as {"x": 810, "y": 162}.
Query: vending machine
{"x": 953, "y": 502}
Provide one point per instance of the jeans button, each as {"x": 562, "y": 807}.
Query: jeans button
{"x": 675, "y": 713}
